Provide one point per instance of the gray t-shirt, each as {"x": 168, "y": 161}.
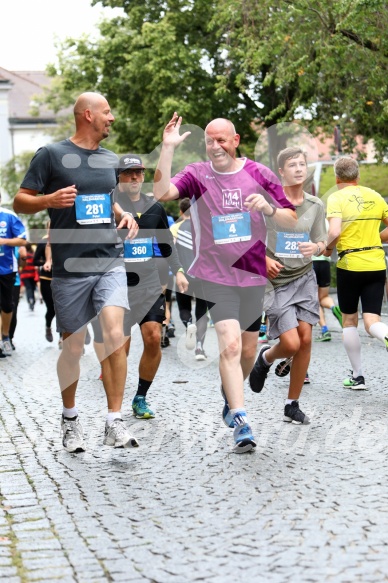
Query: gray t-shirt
{"x": 282, "y": 245}
{"x": 83, "y": 237}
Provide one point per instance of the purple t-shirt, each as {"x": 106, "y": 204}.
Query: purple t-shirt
{"x": 229, "y": 241}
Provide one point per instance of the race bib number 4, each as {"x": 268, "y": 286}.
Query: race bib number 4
{"x": 92, "y": 208}
{"x": 138, "y": 250}
{"x": 287, "y": 244}
{"x": 231, "y": 228}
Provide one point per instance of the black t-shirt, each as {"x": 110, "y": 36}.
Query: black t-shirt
{"x": 78, "y": 250}
{"x": 151, "y": 217}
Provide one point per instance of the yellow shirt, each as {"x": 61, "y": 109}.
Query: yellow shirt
{"x": 361, "y": 211}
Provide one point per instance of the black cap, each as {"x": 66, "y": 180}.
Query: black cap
{"x": 130, "y": 161}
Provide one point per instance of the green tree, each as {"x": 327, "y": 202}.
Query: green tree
{"x": 256, "y": 62}
{"x": 11, "y": 177}
{"x": 325, "y": 60}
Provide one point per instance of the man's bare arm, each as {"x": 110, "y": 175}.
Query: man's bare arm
{"x": 28, "y": 202}
{"x": 163, "y": 188}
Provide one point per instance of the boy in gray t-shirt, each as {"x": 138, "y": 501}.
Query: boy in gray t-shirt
{"x": 295, "y": 309}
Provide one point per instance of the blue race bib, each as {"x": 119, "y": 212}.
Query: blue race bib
{"x": 92, "y": 209}
{"x": 287, "y": 244}
{"x": 231, "y": 228}
{"x": 138, "y": 250}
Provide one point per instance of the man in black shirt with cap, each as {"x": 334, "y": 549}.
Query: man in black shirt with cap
{"x": 145, "y": 297}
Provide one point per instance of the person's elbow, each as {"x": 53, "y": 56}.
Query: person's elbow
{"x": 286, "y": 217}
{"x": 171, "y": 194}
{"x": 334, "y": 234}
{"x": 16, "y": 204}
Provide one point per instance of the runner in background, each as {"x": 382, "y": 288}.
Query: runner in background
{"x": 355, "y": 214}
{"x": 21, "y": 255}
{"x": 321, "y": 266}
{"x": 195, "y": 333}
{"x": 295, "y": 309}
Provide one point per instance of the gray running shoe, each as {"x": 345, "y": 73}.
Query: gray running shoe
{"x": 200, "y": 354}
{"x": 73, "y": 435}
{"x": 49, "y": 335}
{"x": 7, "y": 348}
{"x": 117, "y": 435}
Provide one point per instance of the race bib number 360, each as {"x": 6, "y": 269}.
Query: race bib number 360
{"x": 138, "y": 250}
{"x": 231, "y": 228}
{"x": 287, "y": 244}
{"x": 92, "y": 208}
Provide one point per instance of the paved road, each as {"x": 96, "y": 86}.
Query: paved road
{"x": 311, "y": 504}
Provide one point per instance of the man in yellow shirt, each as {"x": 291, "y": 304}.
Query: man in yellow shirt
{"x": 355, "y": 214}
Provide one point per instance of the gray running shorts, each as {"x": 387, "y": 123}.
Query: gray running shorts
{"x": 294, "y": 301}
{"x": 78, "y": 300}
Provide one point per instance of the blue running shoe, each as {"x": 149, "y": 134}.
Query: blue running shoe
{"x": 141, "y": 409}
{"x": 243, "y": 437}
{"x": 226, "y": 414}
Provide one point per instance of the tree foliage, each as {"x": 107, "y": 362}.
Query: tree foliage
{"x": 326, "y": 60}
{"x": 11, "y": 177}
{"x": 257, "y": 62}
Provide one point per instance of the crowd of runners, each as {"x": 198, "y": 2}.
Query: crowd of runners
{"x": 251, "y": 250}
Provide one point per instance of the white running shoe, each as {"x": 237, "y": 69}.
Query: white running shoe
{"x": 7, "y": 348}
{"x": 117, "y": 435}
{"x": 72, "y": 435}
{"x": 191, "y": 334}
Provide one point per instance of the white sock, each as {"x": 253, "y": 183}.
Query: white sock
{"x": 352, "y": 346}
{"x": 265, "y": 360}
{"x": 289, "y": 401}
{"x": 70, "y": 413}
{"x": 113, "y": 416}
{"x": 379, "y": 330}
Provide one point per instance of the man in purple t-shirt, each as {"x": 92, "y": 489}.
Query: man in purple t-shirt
{"x": 230, "y": 197}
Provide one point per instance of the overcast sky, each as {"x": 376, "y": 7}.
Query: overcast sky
{"x": 29, "y": 29}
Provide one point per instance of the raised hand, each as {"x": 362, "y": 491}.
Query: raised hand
{"x": 171, "y": 135}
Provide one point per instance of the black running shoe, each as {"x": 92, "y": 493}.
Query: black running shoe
{"x": 355, "y": 383}
{"x": 171, "y": 330}
{"x": 292, "y": 414}
{"x": 259, "y": 372}
{"x": 283, "y": 368}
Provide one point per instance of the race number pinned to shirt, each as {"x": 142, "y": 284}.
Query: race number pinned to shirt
{"x": 92, "y": 208}
{"x": 287, "y": 244}
{"x": 231, "y": 228}
{"x": 138, "y": 250}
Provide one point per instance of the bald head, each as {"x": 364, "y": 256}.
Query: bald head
{"x": 93, "y": 119}
{"x": 89, "y": 100}
{"x": 221, "y": 124}
{"x": 221, "y": 144}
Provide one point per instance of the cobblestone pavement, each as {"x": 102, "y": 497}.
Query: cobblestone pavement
{"x": 311, "y": 504}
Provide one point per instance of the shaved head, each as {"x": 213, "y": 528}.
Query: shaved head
{"x": 222, "y": 142}
{"x": 88, "y": 100}
{"x": 221, "y": 124}
{"x": 93, "y": 119}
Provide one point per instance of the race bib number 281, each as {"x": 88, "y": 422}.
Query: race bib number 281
{"x": 92, "y": 209}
